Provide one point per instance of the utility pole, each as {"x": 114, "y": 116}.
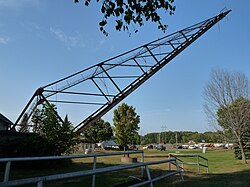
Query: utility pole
{"x": 163, "y": 129}
{"x": 159, "y": 138}
{"x": 176, "y": 138}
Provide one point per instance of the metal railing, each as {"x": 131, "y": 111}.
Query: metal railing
{"x": 198, "y": 161}
{"x": 92, "y": 172}
{"x": 94, "y": 156}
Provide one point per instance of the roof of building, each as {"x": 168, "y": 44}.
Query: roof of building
{"x": 4, "y": 119}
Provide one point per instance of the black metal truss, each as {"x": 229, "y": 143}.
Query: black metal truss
{"x": 133, "y": 68}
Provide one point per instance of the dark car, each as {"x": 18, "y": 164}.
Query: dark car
{"x": 150, "y": 146}
{"x": 178, "y": 147}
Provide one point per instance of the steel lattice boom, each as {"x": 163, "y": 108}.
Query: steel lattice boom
{"x": 104, "y": 85}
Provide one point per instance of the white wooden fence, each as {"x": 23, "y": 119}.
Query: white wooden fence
{"x": 197, "y": 162}
{"x": 93, "y": 172}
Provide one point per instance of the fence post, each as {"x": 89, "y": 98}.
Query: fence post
{"x": 198, "y": 163}
{"x": 169, "y": 165}
{"x": 84, "y": 148}
{"x": 142, "y": 168}
{"x": 7, "y": 172}
{"x": 178, "y": 169}
{"x": 40, "y": 184}
{"x": 149, "y": 176}
{"x": 207, "y": 165}
{"x": 94, "y": 167}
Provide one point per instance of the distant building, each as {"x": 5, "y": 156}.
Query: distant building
{"x": 109, "y": 143}
{"x": 191, "y": 142}
{"x": 5, "y": 123}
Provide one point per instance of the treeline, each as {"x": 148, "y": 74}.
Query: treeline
{"x": 183, "y": 137}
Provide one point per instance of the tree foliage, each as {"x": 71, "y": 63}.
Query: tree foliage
{"x": 126, "y": 122}
{"x": 182, "y": 137}
{"x": 133, "y": 12}
{"x": 58, "y": 134}
{"x": 98, "y": 132}
{"x": 24, "y": 127}
{"x": 226, "y": 96}
{"x": 236, "y": 118}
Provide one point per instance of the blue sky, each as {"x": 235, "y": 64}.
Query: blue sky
{"x": 43, "y": 40}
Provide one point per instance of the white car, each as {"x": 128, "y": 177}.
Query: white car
{"x": 192, "y": 147}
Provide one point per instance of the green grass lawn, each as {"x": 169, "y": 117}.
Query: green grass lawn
{"x": 224, "y": 170}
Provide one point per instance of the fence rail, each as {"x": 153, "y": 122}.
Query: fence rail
{"x": 198, "y": 160}
{"x": 92, "y": 172}
{"x": 68, "y": 157}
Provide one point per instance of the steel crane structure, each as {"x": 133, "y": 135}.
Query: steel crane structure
{"x": 104, "y": 85}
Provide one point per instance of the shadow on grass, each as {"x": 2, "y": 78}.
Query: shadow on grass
{"x": 240, "y": 178}
{"x": 107, "y": 179}
{"x": 24, "y": 171}
{"x": 120, "y": 178}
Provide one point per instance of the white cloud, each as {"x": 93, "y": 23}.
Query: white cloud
{"x": 68, "y": 40}
{"x": 17, "y": 3}
{"x": 112, "y": 48}
{"x": 4, "y": 40}
{"x": 59, "y": 34}
{"x": 102, "y": 41}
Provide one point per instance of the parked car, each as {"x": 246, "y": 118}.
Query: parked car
{"x": 161, "y": 148}
{"x": 177, "y": 147}
{"x": 185, "y": 146}
{"x": 192, "y": 147}
{"x": 113, "y": 147}
{"x": 150, "y": 146}
{"x": 133, "y": 147}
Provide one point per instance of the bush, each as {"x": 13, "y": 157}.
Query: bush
{"x": 237, "y": 152}
{"x": 29, "y": 145}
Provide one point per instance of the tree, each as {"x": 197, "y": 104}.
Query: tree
{"x": 184, "y": 137}
{"x": 150, "y": 138}
{"x": 222, "y": 96}
{"x": 236, "y": 118}
{"x": 67, "y": 138}
{"x": 24, "y": 126}
{"x": 98, "y": 132}
{"x": 132, "y": 12}
{"x": 222, "y": 89}
{"x": 59, "y": 135}
{"x": 126, "y": 122}
{"x": 214, "y": 137}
